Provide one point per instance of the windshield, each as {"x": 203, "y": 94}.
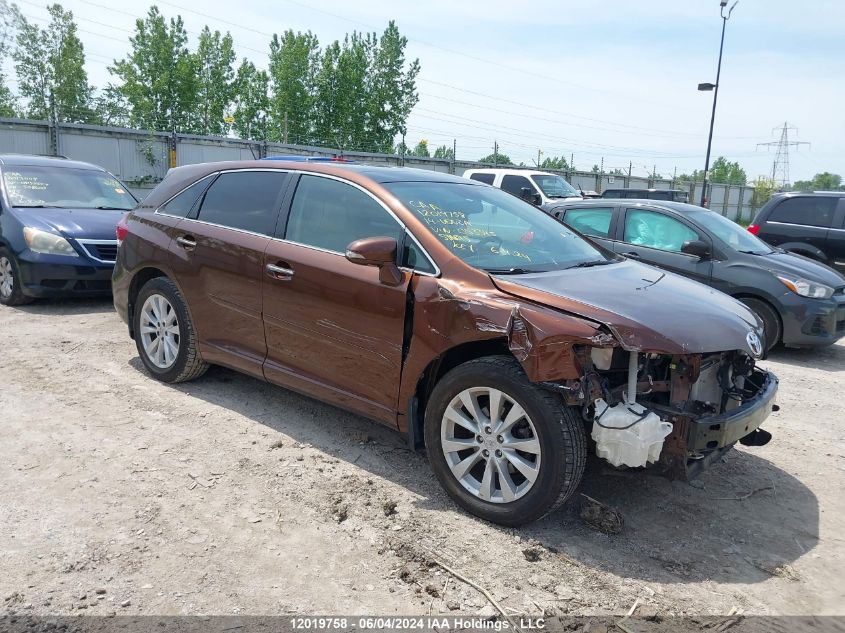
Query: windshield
{"x": 732, "y": 234}
{"x": 555, "y": 186}
{"x": 63, "y": 187}
{"x": 493, "y": 230}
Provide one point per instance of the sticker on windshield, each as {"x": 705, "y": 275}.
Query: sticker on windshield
{"x": 468, "y": 232}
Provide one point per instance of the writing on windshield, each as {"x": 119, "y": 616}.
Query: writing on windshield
{"x": 35, "y": 186}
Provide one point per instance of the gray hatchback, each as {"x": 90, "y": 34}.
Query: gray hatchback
{"x": 800, "y": 301}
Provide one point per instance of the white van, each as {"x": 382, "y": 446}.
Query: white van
{"x": 540, "y": 188}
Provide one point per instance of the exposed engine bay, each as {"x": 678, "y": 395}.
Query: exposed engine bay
{"x": 676, "y": 413}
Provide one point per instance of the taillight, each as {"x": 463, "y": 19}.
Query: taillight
{"x": 122, "y": 228}
{"x": 754, "y": 229}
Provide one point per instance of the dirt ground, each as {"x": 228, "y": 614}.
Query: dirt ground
{"x": 230, "y": 496}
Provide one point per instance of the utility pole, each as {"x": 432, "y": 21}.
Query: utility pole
{"x": 539, "y": 153}
{"x": 630, "y": 167}
{"x": 285, "y": 137}
{"x": 54, "y": 126}
{"x": 454, "y": 153}
{"x": 495, "y": 153}
{"x": 715, "y": 89}
{"x": 780, "y": 168}
{"x": 572, "y": 162}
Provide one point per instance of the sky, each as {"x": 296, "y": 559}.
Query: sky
{"x": 613, "y": 80}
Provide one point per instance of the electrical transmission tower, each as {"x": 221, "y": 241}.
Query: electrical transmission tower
{"x": 780, "y": 168}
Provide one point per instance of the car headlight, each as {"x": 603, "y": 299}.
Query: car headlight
{"x": 47, "y": 243}
{"x": 806, "y": 288}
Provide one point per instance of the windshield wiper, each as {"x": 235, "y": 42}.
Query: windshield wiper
{"x": 590, "y": 264}
{"x": 38, "y": 206}
{"x": 511, "y": 271}
{"x": 110, "y": 208}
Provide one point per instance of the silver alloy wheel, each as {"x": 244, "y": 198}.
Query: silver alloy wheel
{"x": 490, "y": 444}
{"x": 7, "y": 280}
{"x": 159, "y": 331}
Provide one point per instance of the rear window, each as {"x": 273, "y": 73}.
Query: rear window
{"x": 487, "y": 179}
{"x": 590, "y": 221}
{"x": 245, "y": 200}
{"x": 806, "y": 211}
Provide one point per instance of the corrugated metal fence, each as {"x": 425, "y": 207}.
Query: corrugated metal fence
{"x": 141, "y": 158}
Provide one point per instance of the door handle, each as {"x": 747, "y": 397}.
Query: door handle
{"x": 187, "y": 242}
{"x": 280, "y": 273}
{"x": 632, "y": 255}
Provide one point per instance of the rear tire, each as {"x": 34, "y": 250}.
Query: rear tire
{"x": 164, "y": 333}
{"x": 521, "y": 485}
{"x": 11, "y": 293}
{"x": 772, "y": 329}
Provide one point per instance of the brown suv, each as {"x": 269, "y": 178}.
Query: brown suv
{"x": 449, "y": 310}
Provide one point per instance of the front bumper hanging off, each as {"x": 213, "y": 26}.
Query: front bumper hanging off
{"x": 697, "y": 442}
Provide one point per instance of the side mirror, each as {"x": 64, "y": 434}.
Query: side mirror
{"x": 530, "y": 196}
{"x": 696, "y": 247}
{"x": 379, "y": 252}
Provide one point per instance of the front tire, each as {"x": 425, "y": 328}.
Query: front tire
{"x": 164, "y": 333}
{"x": 11, "y": 293}
{"x": 772, "y": 330}
{"x": 503, "y": 448}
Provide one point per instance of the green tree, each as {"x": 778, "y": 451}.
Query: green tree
{"x": 8, "y": 103}
{"x": 216, "y": 81}
{"x": 340, "y": 104}
{"x": 824, "y": 181}
{"x": 391, "y": 89}
{"x": 444, "y": 152}
{"x": 159, "y": 75}
{"x": 555, "y": 162}
{"x": 252, "y": 101}
{"x": 50, "y": 64}
{"x": 421, "y": 149}
{"x": 111, "y": 108}
{"x": 726, "y": 172}
{"x": 401, "y": 149}
{"x": 294, "y": 59}
{"x": 763, "y": 190}
{"x": 498, "y": 159}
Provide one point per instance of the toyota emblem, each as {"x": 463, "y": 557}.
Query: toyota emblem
{"x": 754, "y": 344}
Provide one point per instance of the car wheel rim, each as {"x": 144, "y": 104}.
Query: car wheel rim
{"x": 159, "y": 331}
{"x": 490, "y": 445}
{"x": 7, "y": 280}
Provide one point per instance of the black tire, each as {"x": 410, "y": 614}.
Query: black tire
{"x": 16, "y": 297}
{"x": 772, "y": 328}
{"x": 559, "y": 430}
{"x": 188, "y": 364}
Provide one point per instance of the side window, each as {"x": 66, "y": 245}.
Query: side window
{"x": 182, "y": 204}
{"x": 805, "y": 210}
{"x": 612, "y": 193}
{"x": 330, "y": 214}
{"x": 590, "y": 221}
{"x": 246, "y": 200}
{"x": 487, "y": 179}
{"x": 636, "y": 194}
{"x": 656, "y": 230}
{"x": 514, "y": 184}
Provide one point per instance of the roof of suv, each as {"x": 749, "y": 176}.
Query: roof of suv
{"x": 33, "y": 160}
{"x": 788, "y": 194}
{"x": 509, "y": 171}
{"x": 671, "y": 205}
{"x": 180, "y": 177}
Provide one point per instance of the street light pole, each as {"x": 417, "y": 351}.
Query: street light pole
{"x": 715, "y": 89}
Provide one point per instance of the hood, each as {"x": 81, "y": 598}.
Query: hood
{"x": 647, "y": 309}
{"x": 91, "y": 224}
{"x": 800, "y": 266}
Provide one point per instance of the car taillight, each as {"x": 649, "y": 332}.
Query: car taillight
{"x": 122, "y": 228}
{"x": 754, "y": 229}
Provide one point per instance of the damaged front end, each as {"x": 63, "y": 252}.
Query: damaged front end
{"x": 675, "y": 412}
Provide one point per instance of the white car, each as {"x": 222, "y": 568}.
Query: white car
{"x": 540, "y": 188}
